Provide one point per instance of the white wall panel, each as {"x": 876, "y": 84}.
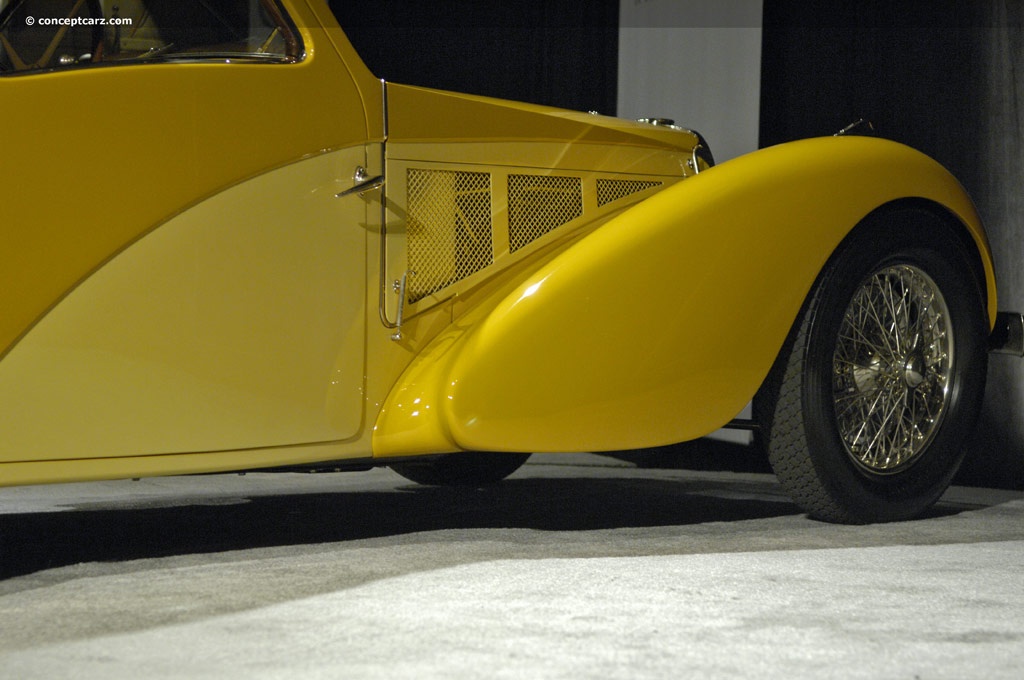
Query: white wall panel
{"x": 696, "y": 61}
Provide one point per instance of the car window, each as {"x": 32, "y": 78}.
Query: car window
{"x": 53, "y": 34}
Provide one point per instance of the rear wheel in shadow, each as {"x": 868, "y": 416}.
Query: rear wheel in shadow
{"x": 461, "y": 469}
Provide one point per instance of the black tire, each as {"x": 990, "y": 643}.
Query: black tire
{"x": 865, "y": 413}
{"x": 461, "y": 469}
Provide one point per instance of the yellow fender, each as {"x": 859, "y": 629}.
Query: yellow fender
{"x": 660, "y": 325}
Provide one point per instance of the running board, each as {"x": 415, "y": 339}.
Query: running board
{"x": 742, "y": 424}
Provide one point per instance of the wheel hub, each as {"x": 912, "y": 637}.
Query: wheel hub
{"x": 911, "y": 370}
{"x": 914, "y": 370}
{"x": 892, "y": 363}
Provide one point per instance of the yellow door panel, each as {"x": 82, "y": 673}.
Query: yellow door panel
{"x": 99, "y": 156}
{"x": 238, "y": 324}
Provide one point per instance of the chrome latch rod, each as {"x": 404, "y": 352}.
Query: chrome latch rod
{"x": 400, "y": 288}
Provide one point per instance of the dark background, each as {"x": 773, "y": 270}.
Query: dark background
{"x": 545, "y": 52}
{"x": 943, "y": 76}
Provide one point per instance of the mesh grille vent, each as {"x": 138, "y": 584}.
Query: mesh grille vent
{"x": 449, "y": 228}
{"x": 536, "y": 205}
{"x": 610, "y": 190}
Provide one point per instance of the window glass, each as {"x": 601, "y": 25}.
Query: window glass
{"x": 49, "y": 34}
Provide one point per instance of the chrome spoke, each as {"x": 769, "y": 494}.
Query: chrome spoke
{"x": 891, "y": 368}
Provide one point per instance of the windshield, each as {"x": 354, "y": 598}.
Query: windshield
{"x": 49, "y": 34}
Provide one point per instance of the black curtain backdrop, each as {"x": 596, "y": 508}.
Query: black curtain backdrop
{"x": 556, "y": 52}
{"x": 945, "y": 77}
{"x": 910, "y": 66}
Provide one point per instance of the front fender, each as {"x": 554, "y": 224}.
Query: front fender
{"x": 660, "y": 325}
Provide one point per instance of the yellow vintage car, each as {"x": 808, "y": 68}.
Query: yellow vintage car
{"x": 227, "y": 245}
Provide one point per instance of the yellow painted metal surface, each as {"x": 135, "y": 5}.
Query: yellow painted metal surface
{"x": 127, "y": 467}
{"x": 442, "y": 139}
{"x": 660, "y": 325}
{"x": 240, "y": 323}
{"x": 101, "y": 156}
{"x": 423, "y": 115}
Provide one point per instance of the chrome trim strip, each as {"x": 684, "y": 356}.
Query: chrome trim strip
{"x": 382, "y": 301}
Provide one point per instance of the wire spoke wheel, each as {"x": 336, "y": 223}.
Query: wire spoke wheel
{"x": 866, "y": 411}
{"x": 891, "y": 368}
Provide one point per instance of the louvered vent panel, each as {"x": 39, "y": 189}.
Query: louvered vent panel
{"x": 449, "y": 228}
{"x": 538, "y": 204}
{"x": 611, "y": 190}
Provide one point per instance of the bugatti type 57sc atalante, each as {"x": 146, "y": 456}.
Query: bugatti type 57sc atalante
{"x": 227, "y": 245}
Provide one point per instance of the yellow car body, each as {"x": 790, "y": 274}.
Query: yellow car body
{"x": 216, "y": 263}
